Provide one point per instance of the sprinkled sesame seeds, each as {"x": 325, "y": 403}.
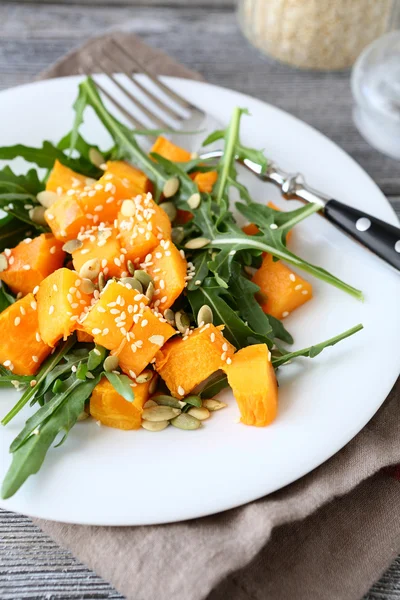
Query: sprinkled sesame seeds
{"x": 96, "y": 331}
{"x": 181, "y": 391}
{"x": 35, "y": 289}
{"x": 35, "y": 359}
{"x": 25, "y": 267}
{"x": 37, "y": 336}
{"x": 22, "y": 310}
{"x": 7, "y": 363}
{"x": 105, "y": 331}
{"x": 212, "y": 337}
{"x": 7, "y": 252}
{"x": 144, "y": 322}
{"x": 285, "y": 314}
{"x": 55, "y": 288}
{"x": 51, "y": 310}
{"x": 292, "y": 277}
{"x": 298, "y": 287}
{"x": 305, "y": 292}
{"x": 53, "y": 250}
{"x": 34, "y": 305}
{"x": 11, "y": 260}
{"x": 197, "y": 282}
{"x": 228, "y": 360}
{"x": 17, "y": 321}
{"x": 223, "y": 356}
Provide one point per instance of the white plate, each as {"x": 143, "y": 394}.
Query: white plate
{"x": 109, "y": 477}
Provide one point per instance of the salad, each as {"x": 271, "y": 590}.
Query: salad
{"x": 131, "y": 295}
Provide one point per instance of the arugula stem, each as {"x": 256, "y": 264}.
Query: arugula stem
{"x": 229, "y": 152}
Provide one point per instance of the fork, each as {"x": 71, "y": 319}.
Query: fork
{"x": 162, "y": 107}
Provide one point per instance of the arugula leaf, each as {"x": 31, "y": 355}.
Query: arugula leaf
{"x": 214, "y": 385}
{"x": 24, "y": 184}
{"x": 122, "y": 385}
{"x": 96, "y": 357}
{"x": 12, "y": 231}
{"x": 200, "y": 262}
{"x": 79, "y": 108}
{"x": 6, "y": 298}
{"x": 313, "y": 351}
{"x": 243, "y": 291}
{"x": 19, "y": 206}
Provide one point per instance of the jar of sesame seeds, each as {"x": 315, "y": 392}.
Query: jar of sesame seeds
{"x": 316, "y": 34}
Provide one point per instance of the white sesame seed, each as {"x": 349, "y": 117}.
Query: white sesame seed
{"x": 26, "y": 267}
{"x": 274, "y": 226}
{"x": 11, "y": 260}
{"x": 17, "y": 321}
{"x": 22, "y": 310}
{"x": 181, "y": 391}
{"x": 55, "y": 288}
{"x": 105, "y": 331}
{"x": 28, "y": 240}
{"x": 37, "y": 336}
{"x": 223, "y": 356}
{"x": 212, "y": 337}
{"x": 305, "y": 292}
{"x": 35, "y": 289}
{"x": 96, "y": 331}
{"x": 228, "y": 360}
{"x": 298, "y": 287}
{"x": 51, "y": 310}
{"x": 7, "y": 363}
{"x": 35, "y": 359}
{"x": 292, "y": 277}
{"x": 285, "y": 314}
{"x": 33, "y": 305}
{"x": 225, "y": 347}
{"x": 7, "y": 252}
{"x": 144, "y": 323}
{"x": 101, "y": 309}
{"x": 53, "y": 250}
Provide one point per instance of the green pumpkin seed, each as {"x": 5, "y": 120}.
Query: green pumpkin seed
{"x": 199, "y": 413}
{"x": 193, "y": 400}
{"x": 160, "y": 413}
{"x": 170, "y": 209}
{"x": 177, "y": 235}
{"x": 150, "y": 291}
{"x": 90, "y": 269}
{"x": 197, "y": 243}
{"x": 185, "y": 421}
{"x": 37, "y": 215}
{"x": 46, "y": 198}
{"x": 144, "y": 377}
{"x": 167, "y": 401}
{"x": 212, "y": 405}
{"x": 96, "y": 158}
{"x": 143, "y": 277}
{"x": 132, "y": 283}
{"x": 101, "y": 281}
{"x": 87, "y": 286}
{"x": 128, "y": 208}
{"x": 149, "y": 404}
{"x": 205, "y": 315}
{"x": 171, "y": 186}
{"x": 111, "y": 363}
{"x": 72, "y": 245}
{"x": 169, "y": 316}
{"x": 155, "y": 425}
{"x": 182, "y": 321}
{"x": 131, "y": 267}
{"x": 3, "y": 263}
{"x": 194, "y": 201}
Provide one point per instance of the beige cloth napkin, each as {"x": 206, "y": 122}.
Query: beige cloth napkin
{"x": 339, "y": 525}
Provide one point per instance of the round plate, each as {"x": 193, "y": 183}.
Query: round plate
{"x": 105, "y": 476}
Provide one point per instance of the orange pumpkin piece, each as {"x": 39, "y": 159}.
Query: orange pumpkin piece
{"x": 142, "y": 223}
{"x": 112, "y": 316}
{"x": 31, "y": 261}
{"x": 111, "y": 409}
{"x": 148, "y": 334}
{"x": 205, "y": 181}
{"x": 22, "y": 350}
{"x": 62, "y": 179}
{"x": 186, "y": 362}
{"x": 66, "y": 218}
{"x": 60, "y": 303}
{"x": 84, "y": 337}
{"x": 252, "y": 229}
{"x": 170, "y": 151}
{"x": 102, "y": 243}
{"x": 253, "y": 382}
{"x": 130, "y": 176}
{"x": 168, "y": 269}
{"x": 284, "y": 289}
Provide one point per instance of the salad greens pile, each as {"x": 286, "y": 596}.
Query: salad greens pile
{"x": 222, "y": 255}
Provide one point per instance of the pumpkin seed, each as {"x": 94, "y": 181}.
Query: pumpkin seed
{"x": 46, "y": 198}
{"x": 205, "y": 315}
{"x": 96, "y": 158}
{"x": 3, "y": 263}
{"x": 197, "y": 243}
{"x": 153, "y": 384}
{"x": 37, "y": 215}
{"x": 72, "y": 245}
{"x": 167, "y": 401}
{"x": 193, "y": 400}
{"x": 143, "y": 277}
{"x": 90, "y": 269}
{"x": 133, "y": 283}
{"x": 169, "y": 316}
{"x": 185, "y": 421}
{"x": 111, "y": 363}
{"x": 194, "y": 200}
{"x": 171, "y": 186}
{"x": 150, "y": 291}
{"x": 170, "y": 209}
{"x": 212, "y": 405}
{"x": 155, "y": 425}
{"x": 131, "y": 267}
{"x": 128, "y": 208}
{"x": 149, "y": 404}
{"x": 87, "y": 286}
{"x": 160, "y": 413}
{"x": 177, "y": 235}
{"x": 101, "y": 281}
{"x": 199, "y": 413}
{"x": 182, "y": 321}
{"x": 144, "y": 377}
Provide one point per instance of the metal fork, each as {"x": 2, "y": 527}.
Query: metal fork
{"x": 162, "y": 107}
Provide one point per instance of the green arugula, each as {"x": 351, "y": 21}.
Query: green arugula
{"x": 6, "y": 298}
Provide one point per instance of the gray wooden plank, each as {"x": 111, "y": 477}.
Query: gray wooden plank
{"x": 118, "y": 3}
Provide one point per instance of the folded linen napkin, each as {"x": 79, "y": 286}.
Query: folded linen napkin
{"x": 339, "y": 526}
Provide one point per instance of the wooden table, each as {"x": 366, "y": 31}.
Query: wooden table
{"x": 204, "y": 35}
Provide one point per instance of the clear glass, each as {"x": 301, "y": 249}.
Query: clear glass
{"x": 316, "y": 34}
{"x": 375, "y": 83}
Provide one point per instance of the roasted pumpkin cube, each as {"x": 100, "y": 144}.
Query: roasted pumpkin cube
{"x": 60, "y": 304}
{"x": 84, "y": 337}
{"x": 130, "y": 176}
{"x": 148, "y": 334}
{"x": 205, "y": 181}
{"x": 253, "y": 382}
{"x": 102, "y": 243}
{"x": 172, "y": 152}
{"x": 142, "y": 223}
{"x": 22, "y": 350}
{"x": 252, "y": 229}
{"x": 112, "y": 316}
{"x": 62, "y": 179}
{"x": 66, "y": 218}
{"x": 186, "y": 362}
{"x": 168, "y": 269}
{"x": 31, "y": 261}
{"x": 283, "y": 289}
{"x": 111, "y": 409}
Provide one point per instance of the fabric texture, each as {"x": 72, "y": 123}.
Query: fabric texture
{"x": 328, "y": 536}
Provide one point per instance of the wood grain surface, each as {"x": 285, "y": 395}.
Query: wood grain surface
{"x": 204, "y": 35}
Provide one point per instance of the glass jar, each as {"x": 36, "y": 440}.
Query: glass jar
{"x": 316, "y": 34}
